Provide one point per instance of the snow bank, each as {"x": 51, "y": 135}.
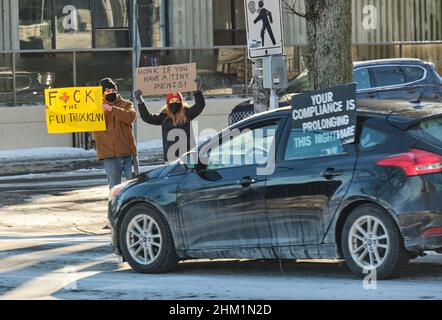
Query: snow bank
{"x": 45, "y": 154}
{"x": 41, "y": 154}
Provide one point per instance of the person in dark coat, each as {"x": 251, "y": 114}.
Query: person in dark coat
{"x": 175, "y": 120}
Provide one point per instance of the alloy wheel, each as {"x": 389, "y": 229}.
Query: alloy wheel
{"x": 369, "y": 242}
{"x": 144, "y": 239}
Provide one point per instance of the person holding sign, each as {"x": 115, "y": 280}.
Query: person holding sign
{"x": 175, "y": 121}
{"x": 116, "y": 145}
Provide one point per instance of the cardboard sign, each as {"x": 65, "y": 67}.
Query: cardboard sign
{"x": 155, "y": 81}
{"x": 264, "y": 28}
{"x": 74, "y": 110}
{"x": 331, "y": 112}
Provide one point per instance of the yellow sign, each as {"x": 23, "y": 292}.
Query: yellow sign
{"x": 74, "y": 110}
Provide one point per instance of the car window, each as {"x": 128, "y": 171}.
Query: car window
{"x": 371, "y": 138}
{"x": 362, "y": 78}
{"x": 300, "y": 84}
{"x": 301, "y": 145}
{"x": 430, "y": 130}
{"x": 413, "y": 74}
{"x": 389, "y": 76}
{"x": 241, "y": 148}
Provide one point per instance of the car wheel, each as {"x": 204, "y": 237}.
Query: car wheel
{"x": 146, "y": 241}
{"x": 371, "y": 241}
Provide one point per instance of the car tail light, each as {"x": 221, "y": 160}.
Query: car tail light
{"x": 433, "y": 232}
{"x": 415, "y": 162}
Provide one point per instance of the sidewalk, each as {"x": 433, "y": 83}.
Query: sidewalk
{"x": 60, "y": 159}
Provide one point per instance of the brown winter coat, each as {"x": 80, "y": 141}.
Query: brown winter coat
{"x": 118, "y": 140}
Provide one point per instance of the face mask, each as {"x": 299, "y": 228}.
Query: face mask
{"x": 174, "y": 107}
{"x": 111, "y": 97}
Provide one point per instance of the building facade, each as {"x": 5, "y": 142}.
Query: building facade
{"x": 59, "y": 43}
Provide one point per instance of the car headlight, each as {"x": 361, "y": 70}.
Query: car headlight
{"x": 115, "y": 191}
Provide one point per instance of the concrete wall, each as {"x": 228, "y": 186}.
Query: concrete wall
{"x": 25, "y": 127}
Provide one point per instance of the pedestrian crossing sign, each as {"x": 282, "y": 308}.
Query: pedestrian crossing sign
{"x": 264, "y": 28}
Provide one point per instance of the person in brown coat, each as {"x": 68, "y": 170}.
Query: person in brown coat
{"x": 116, "y": 145}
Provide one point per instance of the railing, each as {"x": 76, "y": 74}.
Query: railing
{"x": 225, "y": 70}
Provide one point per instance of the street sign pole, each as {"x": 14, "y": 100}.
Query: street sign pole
{"x": 265, "y": 40}
{"x": 136, "y": 51}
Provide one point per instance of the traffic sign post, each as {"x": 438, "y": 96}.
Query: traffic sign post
{"x": 264, "y": 28}
{"x": 265, "y": 40}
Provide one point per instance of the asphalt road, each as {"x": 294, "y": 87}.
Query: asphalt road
{"x": 52, "y": 246}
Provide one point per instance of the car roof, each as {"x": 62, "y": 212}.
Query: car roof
{"x": 402, "y": 114}
{"x": 403, "y": 61}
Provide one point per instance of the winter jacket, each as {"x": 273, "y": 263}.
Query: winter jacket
{"x": 118, "y": 140}
{"x": 167, "y": 125}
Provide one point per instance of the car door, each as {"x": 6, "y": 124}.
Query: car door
{"x": 309, "y": 182}
{"x": 223, "y": 205}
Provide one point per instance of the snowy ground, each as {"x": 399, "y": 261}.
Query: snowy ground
{"x": 63, "y": 152}
{"x": 52, "y": 246}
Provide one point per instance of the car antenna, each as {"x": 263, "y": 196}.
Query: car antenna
{"x": 419, "y": 99}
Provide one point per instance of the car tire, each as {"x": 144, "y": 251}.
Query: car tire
{"x": 146, "y": 241}
{"x": 379, "y": 252}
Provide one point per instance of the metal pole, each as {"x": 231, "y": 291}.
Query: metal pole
{"x": 135, "y": 55}
{"x": 74, "y": 80}
{"x": 14, "y": 83}
{"x": 274, "y": 100}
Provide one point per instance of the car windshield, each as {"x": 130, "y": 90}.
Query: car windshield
{"x": 300, "y": 84}
{"x": 430, "y": 130}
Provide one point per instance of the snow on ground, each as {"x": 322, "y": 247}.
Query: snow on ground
{"x": 63, "y": 152}
{"x": 47, "y": 153}
{"x": 67, "y": 175}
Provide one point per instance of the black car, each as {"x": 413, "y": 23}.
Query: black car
{"x": 395, "y": 79}
{"x": 375, "y": 203}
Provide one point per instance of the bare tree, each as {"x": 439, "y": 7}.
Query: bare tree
{"x": 329, "y": 40}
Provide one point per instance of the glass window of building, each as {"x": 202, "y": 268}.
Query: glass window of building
{"x": 73, "y": 21}
{"x": 151, "y": 23}
{"x": 229, "y": 22}
{"x": 35, "y": 24}
{"x": 111, "y": 23}
{"x": 71, "y": 24}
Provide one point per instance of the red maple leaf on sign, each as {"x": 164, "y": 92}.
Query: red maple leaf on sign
{"x": 64, "y": 97}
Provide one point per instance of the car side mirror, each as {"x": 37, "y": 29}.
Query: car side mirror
{"x": 191, "y": 161}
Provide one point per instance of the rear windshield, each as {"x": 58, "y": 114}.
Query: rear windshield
{"x": 430, "y": 131}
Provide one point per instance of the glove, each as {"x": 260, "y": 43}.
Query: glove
{"x": 138, "y": 96}
{"x": 199, "y": 84}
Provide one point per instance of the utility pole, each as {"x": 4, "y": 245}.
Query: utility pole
{"x": 260, "y": 95}
{"x": 136, "y": 52}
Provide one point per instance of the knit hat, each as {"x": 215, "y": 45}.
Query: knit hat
{"x": 108, "y": 83}
{"x": 176, "y": 95}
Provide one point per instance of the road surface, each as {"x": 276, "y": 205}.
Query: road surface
{"x": 52, "y": 246}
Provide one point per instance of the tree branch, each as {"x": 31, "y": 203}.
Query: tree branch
{"x": 291, "y": 8}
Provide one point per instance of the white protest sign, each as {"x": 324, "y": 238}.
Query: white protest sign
{"x": 161, "y": 80}
{"x": 264, "y": 28}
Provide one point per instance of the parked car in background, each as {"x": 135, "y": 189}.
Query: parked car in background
{"x": 29, "y": 87}
{"x": 375, "y": 203}
{"x": 395, "y": 79}
{"x": 219, "y": 83}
